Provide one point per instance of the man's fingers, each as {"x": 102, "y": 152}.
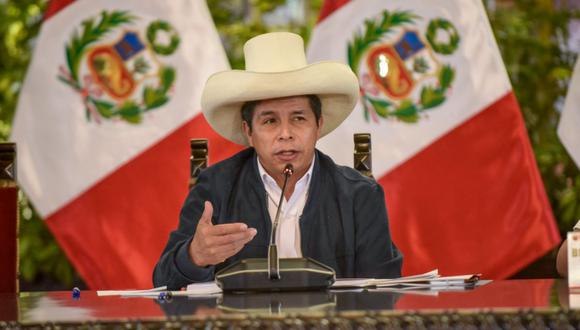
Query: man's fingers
{"x": 229, "y": 250}
{"x": 215, "y": 254}
{"x": 211, "y": 239}
{"x": 213, "y": 244}
{"x": 234, "y": 246}
{"x": 223, "y": 252}
{"x": 228, "y": 228}
{"x": 252, "y": 232}
{"x": 245, "y": 236}
{"x": 207, "y": 213}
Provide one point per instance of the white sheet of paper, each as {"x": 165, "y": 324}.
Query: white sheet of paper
{"x": 195, "y": 289}
{"x": 574, "y": 300}
{"x": 366, "y": 282}
{"x": 102, "y": 293}
{"x": 573, "y": 259}
{"x": 350, "y": 283}
{"x": 203, "y": 288}
{"x": 407, "y": 279}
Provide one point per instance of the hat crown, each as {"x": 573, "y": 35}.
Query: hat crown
{"x": 275, "y": 52}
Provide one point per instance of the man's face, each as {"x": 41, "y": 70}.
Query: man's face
{"x": 284, "y": 130}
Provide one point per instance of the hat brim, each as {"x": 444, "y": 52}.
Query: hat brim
{"x": 225, "y": 93}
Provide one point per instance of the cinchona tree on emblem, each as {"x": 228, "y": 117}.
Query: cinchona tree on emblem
{"x": 118, "y": 73}
{"x": 399, "y": 69}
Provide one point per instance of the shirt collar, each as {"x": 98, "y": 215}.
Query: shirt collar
{"x": 268, "y": 180}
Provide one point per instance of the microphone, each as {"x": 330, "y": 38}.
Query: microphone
{"x": 273, "y": 260}
{"x": 273, "y": 274}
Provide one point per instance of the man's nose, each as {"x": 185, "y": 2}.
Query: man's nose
{"x": 286, "y": 132}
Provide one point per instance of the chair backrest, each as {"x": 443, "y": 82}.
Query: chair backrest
{"x": 198, "y": 159}
{"x": 8, "y": 219}
{"x": 363, "y": 154}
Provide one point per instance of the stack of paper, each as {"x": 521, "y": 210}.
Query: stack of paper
{"x": 430, "y": 279}
{"x": 195, "y": 289}
{"x": 150, "y": 292}
{"x": 205, "y": 288}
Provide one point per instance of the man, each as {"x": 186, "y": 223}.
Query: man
{"x": 280, "y": 107}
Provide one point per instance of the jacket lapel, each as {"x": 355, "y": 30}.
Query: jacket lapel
{"x": 258, "y": 195}
{"x": 310, "y": 212}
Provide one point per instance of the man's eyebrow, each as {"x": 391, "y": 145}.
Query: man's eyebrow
{"x": 270, "y": 113}
{"x": 265, "y": 113}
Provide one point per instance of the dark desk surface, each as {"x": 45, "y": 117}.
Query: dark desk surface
{"x": 514, "y": 295}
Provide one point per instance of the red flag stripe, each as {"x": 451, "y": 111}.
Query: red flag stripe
{"x": 329, "y": 6}
{"x": 55, "y": 6}
{"x": 134, "y": 235}
{"x": 447, "y": 213}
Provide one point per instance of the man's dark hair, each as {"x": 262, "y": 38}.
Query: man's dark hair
{"x": 249, "y": 107}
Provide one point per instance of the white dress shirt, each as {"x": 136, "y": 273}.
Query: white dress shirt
{"x": 288, "y": 233}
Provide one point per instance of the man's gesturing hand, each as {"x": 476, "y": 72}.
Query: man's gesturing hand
{"x": 214, "y": 244}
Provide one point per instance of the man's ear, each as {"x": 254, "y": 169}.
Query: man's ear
{"x": 319, "y": 129}
{"x": 247, "y": 132}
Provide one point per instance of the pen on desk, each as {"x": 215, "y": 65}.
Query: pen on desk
{"x": 76, "y": 293}
{"x": 165, "y": 296}
{"x": 449, "y": 283}
{"x": 471, "y": 281}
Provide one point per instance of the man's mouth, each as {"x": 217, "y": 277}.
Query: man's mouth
{"x": 286, "y": 155}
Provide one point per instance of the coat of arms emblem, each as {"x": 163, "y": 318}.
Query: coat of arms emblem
{"x": 115, "y": 70}
{"x": 400, "y": 71}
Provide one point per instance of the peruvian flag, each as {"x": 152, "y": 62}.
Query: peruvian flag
{"x": 103, "y": 123}
{"x": 449, "y": 144}
{"x": 569, "y": 126}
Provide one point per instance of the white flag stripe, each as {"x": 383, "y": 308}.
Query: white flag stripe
{"x": 569, "y": 126}
{"x": 61, "y": 153}
{"x": 480, "y": 77}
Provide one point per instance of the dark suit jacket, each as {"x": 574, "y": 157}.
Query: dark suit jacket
{"x": 344, "y": 223}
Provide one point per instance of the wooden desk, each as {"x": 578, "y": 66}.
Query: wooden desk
{"x": 523, "y": 300}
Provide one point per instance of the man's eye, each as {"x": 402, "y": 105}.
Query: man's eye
{"x": 269, "y": 121}
{"x": 299, "y": 118}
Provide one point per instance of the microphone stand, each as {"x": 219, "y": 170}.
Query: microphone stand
{"x": 273, "y": 260}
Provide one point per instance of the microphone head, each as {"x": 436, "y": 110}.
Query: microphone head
{"x": 288, "y": 170}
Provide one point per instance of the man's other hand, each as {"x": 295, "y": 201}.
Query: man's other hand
{"x": 214, "y": 244}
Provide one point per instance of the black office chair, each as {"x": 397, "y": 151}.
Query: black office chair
{"x": 198, "y": 159}
{"x": 363, "y": 154}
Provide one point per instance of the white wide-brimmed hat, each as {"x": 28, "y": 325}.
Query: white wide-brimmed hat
{"x": 276, "y": 67}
